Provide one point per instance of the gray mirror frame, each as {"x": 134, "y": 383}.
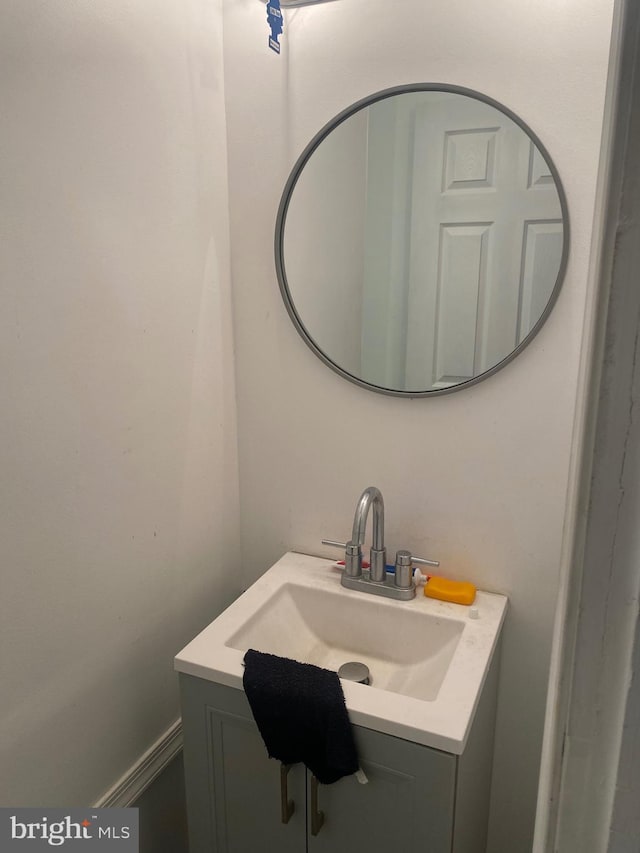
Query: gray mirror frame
{"x": 284, "y": 206}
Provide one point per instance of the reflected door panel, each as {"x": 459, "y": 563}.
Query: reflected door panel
{"x": 478, "y": 273}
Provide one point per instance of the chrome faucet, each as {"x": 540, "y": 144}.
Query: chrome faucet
{"x": 398, "y": 584}
{"x": 378, "y": 558}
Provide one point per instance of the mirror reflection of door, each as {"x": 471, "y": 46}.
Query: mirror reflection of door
{"x": 463, "y": 236}
{"x": 422, "y": 239}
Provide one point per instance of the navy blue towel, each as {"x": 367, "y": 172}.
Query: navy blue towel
{"x": 300, "y": 712}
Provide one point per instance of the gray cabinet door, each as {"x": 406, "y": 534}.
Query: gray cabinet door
{"x": 247, "y": 791}
{"x": 234, "y": 792}
{"x": 234, "y": 795}
{"x": 407, "y": 803}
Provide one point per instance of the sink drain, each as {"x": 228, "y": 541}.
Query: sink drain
{"x": 353, "y": 670}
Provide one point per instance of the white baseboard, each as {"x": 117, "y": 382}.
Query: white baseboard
{"x": 141, "y": 774}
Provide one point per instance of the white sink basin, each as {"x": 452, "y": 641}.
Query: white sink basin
{"x": 428, "y": 659}
{"x": 407, "y": 651}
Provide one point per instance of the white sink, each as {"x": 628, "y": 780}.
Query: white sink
{"x": 428, "y": 659}
{"x": 407, "y": 651}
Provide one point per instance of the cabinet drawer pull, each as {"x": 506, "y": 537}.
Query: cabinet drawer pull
{"x": 287, "y": 806}
{"x": 317, "y": 817}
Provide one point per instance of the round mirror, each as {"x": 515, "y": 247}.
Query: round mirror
{"x": 421, "y": 240}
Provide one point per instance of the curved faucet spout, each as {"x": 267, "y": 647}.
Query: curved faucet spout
{"x": 371, "y": 495}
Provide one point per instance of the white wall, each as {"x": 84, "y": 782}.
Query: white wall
{"x": 119, "y": 499}
{"x": 477, "y": 479}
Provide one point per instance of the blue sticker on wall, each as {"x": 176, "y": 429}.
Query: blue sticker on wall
{"x": 274, "y": 19}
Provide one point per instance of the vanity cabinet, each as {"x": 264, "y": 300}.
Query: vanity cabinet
{"x": 417, "y": 799}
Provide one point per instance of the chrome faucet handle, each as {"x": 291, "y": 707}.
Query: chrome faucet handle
{"x": 404, "y": 574}
{"x": 422, "y": 562}
{"x": 352, "y": 556}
